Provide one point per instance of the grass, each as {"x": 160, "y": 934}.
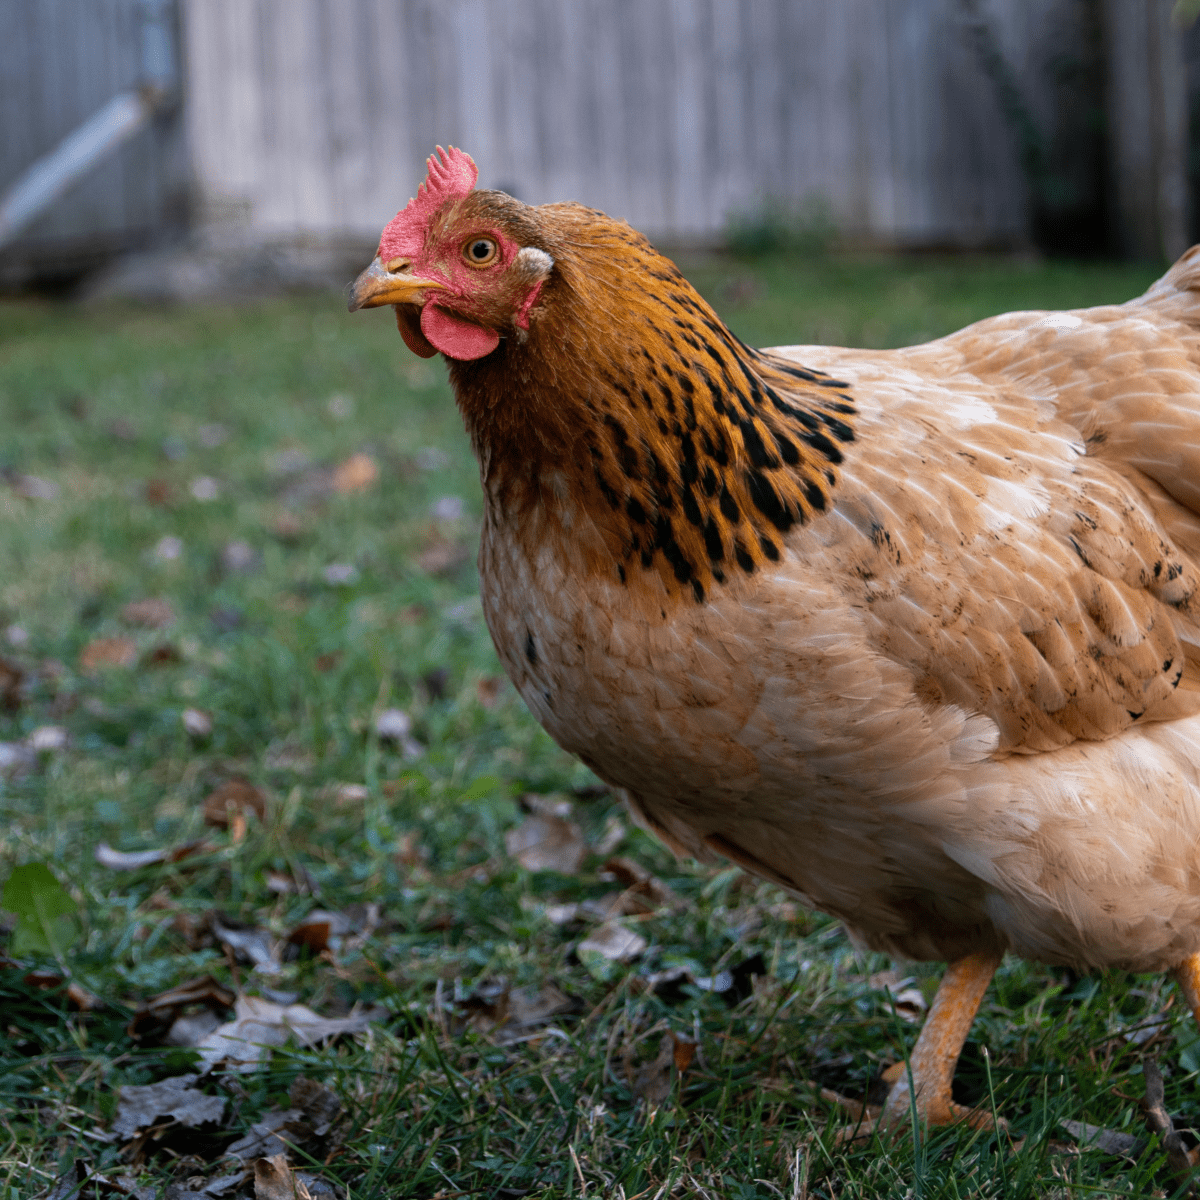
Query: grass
{"x": 118, "y": 412}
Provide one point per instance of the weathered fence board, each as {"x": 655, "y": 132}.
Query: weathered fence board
{"x": 310, "y": 116}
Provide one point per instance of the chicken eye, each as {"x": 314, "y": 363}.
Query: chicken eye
{"x": 480, "y": 252}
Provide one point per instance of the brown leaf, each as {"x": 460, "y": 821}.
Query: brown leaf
{"x": 152, "y": 613}
{"x": 685, "y": 1051}
{"x": 157, "y": 492}
{"x": 232, "y": 797}
{"x": 1158, "y": 1120}
{"x": 78, "y": 1181}
{"x": 326, "y": 662}
{"x": 356, "y": 474}
{"x": 156, "y": 1018}
{"x": 410, "y": 851}
{"x": 249, "y": 943}
{"x": 907, "y": 999}
{"x": 547, "y": 842}
{"x": 275, "y": 1180}
{"x": 313, "y": 1114}
{"x": 11, "y": 678}
{"x": 1110, "y": 1141}
{"x": 107, "y": 652}
{"x": 77, "y": 997}
{"x": 165, "y": 654}
{"x": 488, "y": 690}
{"x": 613, "y": 941}
{"x": 351, "y": 795}
{"x": 530, "y": 1006}
{"x": 641, "y": 885}
{"x": 196, "y": 1187}
{"x": 321, "y": 931}
{"x": 440, "y": 555}
{"x": 651, "y": 1083}
{"x": 288, "y": 527}
{"x": 260, "y": 1024}
{"x": 140, "y": 1107}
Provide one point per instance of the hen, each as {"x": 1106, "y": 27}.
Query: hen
{"x": 912, "y": 633}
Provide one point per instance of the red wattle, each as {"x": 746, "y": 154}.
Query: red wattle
{"x": 455, "y": 337}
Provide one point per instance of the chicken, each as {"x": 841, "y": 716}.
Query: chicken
{"x": 913, "y": 634}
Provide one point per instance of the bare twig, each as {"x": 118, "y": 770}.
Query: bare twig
{"x": 1159, "y": 1121}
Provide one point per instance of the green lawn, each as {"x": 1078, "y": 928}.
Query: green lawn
{"x": 297, "y": 487}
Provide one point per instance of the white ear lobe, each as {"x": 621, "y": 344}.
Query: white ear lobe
{"x": 535, "y": 264}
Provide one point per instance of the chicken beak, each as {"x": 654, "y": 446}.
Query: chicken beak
{"x": 377, "y": 285}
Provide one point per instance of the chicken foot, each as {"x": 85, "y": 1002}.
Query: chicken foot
{"x": 935, "y": 1055}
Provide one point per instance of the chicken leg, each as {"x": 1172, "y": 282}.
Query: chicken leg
{"x": 1187, "y": 976}
{"x": 941, "y": 1041}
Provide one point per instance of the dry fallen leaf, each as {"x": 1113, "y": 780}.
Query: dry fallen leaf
{"x": 78, "y": 1180}
{"x": 651, "y": 1082}
{"x": 140, "y": 1107}
{"x": 1110, "y": 1141}
{"x": 440, "y": 555}
{"x": 133, "y": 860}
{"x": 152, "y": 613}
{"x": 321, "y": 931}
{"x": 48, "y": 739}
{"x": 488, "y": 690}
{"x": 907, "y": 999}
{"x": 77, "y": 997}
{"x": 156, "y": 1019}
{"x": 33, "y": 487}
{"x": 127, "y": 860}
{"x": 351, "y": 795}
{"x": 356, "y": 474}
{"x": 531, "y": 1006}
{"x": 165, "y": 654}
{"x": 11, "y": 677}
{"x": 644, "y": 892}
{"x": 613, "y": 941}
{"x": 197, "y": 722}
{"x": 275, "y": 1180}
{"x": 157, "y": 492}
{"x": 308, "y": 1123}
{"x": 234, "y": 796}
{"x": 288, "y": 527}
{"x": 239, "y": 558}
{"x": 248, "y": 943}
{"x": 260, "y": 1024}
{"x": 107, "y": 652}
{"x": 395, "y": 725}
{"x": 547, "y": 840}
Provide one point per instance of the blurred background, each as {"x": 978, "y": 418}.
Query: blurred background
{"x": 266, "y": 142}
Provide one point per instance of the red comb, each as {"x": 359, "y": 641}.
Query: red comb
{"x": 450, "y": 175}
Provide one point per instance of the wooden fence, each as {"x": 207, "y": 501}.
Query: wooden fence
{"x": 316, "y": 115}
{"x": 311, "y": 119}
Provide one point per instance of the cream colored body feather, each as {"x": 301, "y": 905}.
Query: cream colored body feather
{"x": 963, "y": 711}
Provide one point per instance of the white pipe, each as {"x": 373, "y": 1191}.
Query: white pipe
{"x": 47, "y": 178}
